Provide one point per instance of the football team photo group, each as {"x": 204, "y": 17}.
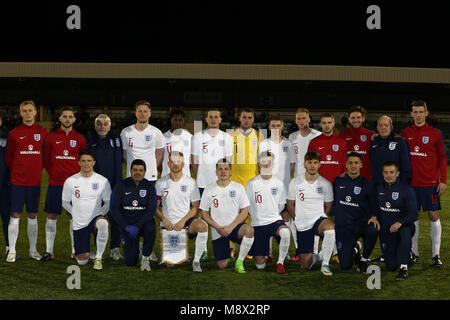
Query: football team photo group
{"x": 320, "y": 199}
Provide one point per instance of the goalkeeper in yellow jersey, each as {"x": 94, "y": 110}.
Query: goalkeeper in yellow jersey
{"x": 245, "y": 153}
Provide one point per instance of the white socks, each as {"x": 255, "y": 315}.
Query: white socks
{"x": 13, "y": 233}
{"x": 283, "y": 248}
{"x": 293, "y": 229}
{"x": 435, "y": 233}
{"x": 316, "y": 244}
{"x": 32, "y": 229}
{"x": 200, "y": 245}
{"x": 50, "y": 233}
{"x": 328, "y": 243}
{"x": 71, "y": 235}
{"x": 415, "y": 239}
{"x": 246, "y": 245}
{"x": 102, "y": 237}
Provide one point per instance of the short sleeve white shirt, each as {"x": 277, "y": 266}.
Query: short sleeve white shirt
{"x": 142, "y": 145}
{"x": 209, "y": 150}
{"x": 309, "y": 200}
{"x": 266, "y": 198}
{"x": 283, "y": 158}
{"x": 86, "y": 195}
{"x": 300, "y": 147}
{"x": 176, "y": 197}
{"x": 177, "y": 141}
{"x": 225, "y": 203}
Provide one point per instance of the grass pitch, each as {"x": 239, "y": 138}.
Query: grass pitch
{"x": 30, "y": 279}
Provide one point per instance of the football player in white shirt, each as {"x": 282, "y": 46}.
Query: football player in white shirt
{"x": 309, "y": 201}
{"x": 83, "y": 194}
{"x": 229, "y": 209}
{"x": 177, "y": 139}
{"x": 143, "y": 141}
{"x": 176, "y": 192}
{"x": 267, "y": 198}
{"x": 300, "y": 139}
{"x": 209, "y": 146}
{"x": 283, "y": 168}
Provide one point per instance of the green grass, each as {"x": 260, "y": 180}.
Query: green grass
{"x": 30, "y": 279}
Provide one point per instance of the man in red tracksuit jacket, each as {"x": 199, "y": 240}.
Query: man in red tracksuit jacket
{"x": 429, "y": 175}
{"x": 358, "y": 138}
{"x": 24, "y": 159}
{"x": 332, "y": 149}
{"x": 61, "y": 149}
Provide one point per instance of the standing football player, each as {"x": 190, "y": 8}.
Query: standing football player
{"x": 429, "y": 175}
{"x": 177, "y": 139}
{"x": 25, "y": 161}
{"x": 4, "y": 184}
{"x": 83, "y": 195}
{"x": 332, "y": 149}
{"x": 208, "y": 147}
{"x": 358, "y": 138}
{"x": 61, "y": 149}
{"x": 300, "y": 139}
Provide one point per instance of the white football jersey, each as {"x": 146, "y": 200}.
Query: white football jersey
{"x": 300, "y": 146}
{"x": 209, "y": 150}
{"x": 267, "y": 199}
{"x": 309, "y": 200}
{"x": 179, "y": 141}
{"x": 142, "y": 145}
{"x": 284, "y": 156}
{"x": 225, "y": 203}
{"x": 176, "y": 197}
{"x": 86, "y": 195}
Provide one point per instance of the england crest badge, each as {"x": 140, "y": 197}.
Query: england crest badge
{"x": 357, "y": 190}
{"x": 142, "y": 193}
{"x": 148, "y": 138}
{"x": 117, "y": 142}
{"x": 274, "y": 191}
{"x": 425, "y": 139}
{"x": 174, "y": 239}
{"x": 233, "y": 194}
{"x": 319, "y": 190}
{"x": 95, "y": 186}
{"x": 395, "y": 195}
{"x": 335, "y": 147}
{"x": 285, "y": 149}
{"x": 363, "y": 138}
{"x": 2, "y": 143}
{"x": 183, "y": 188}
{"x": 73, "y": 143}
{"x": 37, "y": 137}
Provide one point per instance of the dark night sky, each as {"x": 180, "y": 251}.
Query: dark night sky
{"x": 411, "y": 34}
